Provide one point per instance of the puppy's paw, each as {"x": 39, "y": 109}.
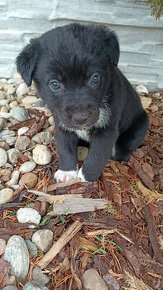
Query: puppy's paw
{"x": 61, "y": 175}
{"x": 81, "y": 175}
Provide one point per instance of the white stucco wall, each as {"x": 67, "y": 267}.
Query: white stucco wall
{"x": 140, "y": 35}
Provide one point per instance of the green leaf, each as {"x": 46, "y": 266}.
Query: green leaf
{"x": 45, "y": 220}
{"x": 97, "y": 238}
{"x": 62, "y": 218}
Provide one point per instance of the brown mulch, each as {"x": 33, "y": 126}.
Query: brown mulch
{"x": 126, "y": 238}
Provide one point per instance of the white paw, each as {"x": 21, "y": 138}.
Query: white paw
{"x": 81, "y": 175}
{"x": 61, "y": 175}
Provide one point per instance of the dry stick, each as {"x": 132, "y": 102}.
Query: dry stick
{"x": 153, "y": 234}
{"x": 62, "y": 184}
{"x": 58, "y": 245}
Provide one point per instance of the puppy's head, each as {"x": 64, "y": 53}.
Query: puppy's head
{"x": 71, "y": 67}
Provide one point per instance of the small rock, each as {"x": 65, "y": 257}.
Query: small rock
{"x": 50, "y": 129}
{"x": 2, "y": 246}
{"x": 31, "y": 248}
{"x": 5, "y": 115}
{"x": 19, "y": 114}
{"x": 13, "y": 155}
{"x": 11, "y": 141}
{"x": 11, "y": 90}
{"x": 3, "y": 102}
{"x": 146, "y": 102}
{"x": 9, "y": 281}
{"x": 4, "y": 134}
{"x": 42, "y": 155}
{"x": 37, "y": 275}
{"x": 111, "y": 282}
{"x": 22, "y": 143}
{"x": 43, "y": 137}
{"x": 6, "y": 195}
{"x": 51, "y": 121}
{"x": 29, "y": 179}
{"x": 2, "y": 95}
{"x": 17, "y": 255}
{"x": 29, "y": 100}
{"x": 93, "y": 281}
{"x": 154, "y": 108}
{"x": 28, "y": 215}
{"x": 82, "y": 153}
{"x": 4, "y": 109}
{"x": 3, "y": 157}
{"x": 14, "y": 104}
{"x": 22, "y": 130}
{"x": 14, "y": 178}
{"x": 43, "y": 239}
{"x": 27, "y": 167}
{"x": 22, "y": 90}
{"x": 2, "y": 122}
{"x": 32, "y": 286}
{"x": 141, "y": 89}
{"x": 4, "y": 145}
{"x": 10, "y": 287}
{"x": 39, "y": 103}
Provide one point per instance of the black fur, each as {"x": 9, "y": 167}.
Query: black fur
{"x": 83, "y": 60}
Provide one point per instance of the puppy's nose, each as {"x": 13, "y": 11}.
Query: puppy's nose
{"x": 79, "y": 119}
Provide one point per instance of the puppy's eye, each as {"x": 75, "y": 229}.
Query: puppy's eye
{"x": 95, "y": 79}
{"x": 54, "y": 85}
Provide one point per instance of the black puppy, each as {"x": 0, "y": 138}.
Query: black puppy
{"x": 75, "y": 71}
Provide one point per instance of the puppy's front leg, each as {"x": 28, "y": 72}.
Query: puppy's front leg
{"x": 100, "y": 152}
{"x": 66, "y": 143}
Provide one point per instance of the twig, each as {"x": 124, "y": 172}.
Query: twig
{"x": 62, "y": 184}
{"x": 153, "y": 234}
{"x": 60, "y": 243}
{"x": 107, "y": 232}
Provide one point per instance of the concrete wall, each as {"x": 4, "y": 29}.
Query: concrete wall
{"x": 140, "y": 35}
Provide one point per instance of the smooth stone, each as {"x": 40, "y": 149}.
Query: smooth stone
{"x": 2, "y": 95}
{"x": 2, "y": 246}
{"x": 27, "y": 166}
{"x": 6, "y": 195}
{"x": 93, "y": 281}
{"x": 11, "y": 90}
{"x": 111, "y": 282}
{"x": 42, "y": 155}
{"x": 146, "y": 102}
{"x": 50, "y": 129}
{"x": 28, "y": 215}
{"x": 51, "y": 121}
{"x": 11, "y": 141}
{"x": 3, "y": 157}
{"x": 39, "y": 103}
{"x": 43, "y": 239}
{"x": 19, "y": 114}
{"x": 30, "y": 286}
{"x": 13, "y": 155}
{"x": 6, "y": 134}
{"x": 10, "y": 281}
{"x": 22, "y": 143}
{"x": 43, "y": 137}
{"x": 22, "y": 90}
{"x": 29, "y": 179}
{"x": 5, "y": 115}
{"x": 14, "y": 178}
{"x": 37, "y": 275}
{"x": 4, "y": 145}
{"x": 22, "y": 130}
{"x": 4, "y": 109}
{"x": 141, "y": 89}
{"x": 13, "y": 104}
{"x": 3, "y": 102}
{"x": 29, "y": 100}
{"x": 3, "y": 81}
{"x": 31, "y": 248}
{"x": 10, "y": 287}
{"x": 17, "y": 255}
{"x": 82, "y": 153}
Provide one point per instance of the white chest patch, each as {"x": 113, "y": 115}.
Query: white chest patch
{"x": 83, "y": 134}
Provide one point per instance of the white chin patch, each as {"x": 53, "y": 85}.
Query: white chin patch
{"x": 81, "y": 175}
{"x": 62, "y": 176}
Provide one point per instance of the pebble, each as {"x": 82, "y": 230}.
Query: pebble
{"x": 11, "y": 141}
{"x": 42, "y": 155}
{"x": 6, "y": 195}
{"x": 2, "y": 246}
{"x": 17, "y": 255}
{"x": 43, "y": 239}
{"x": 19, "y": 114}
{"x": 146, "y": 102}
{"x": 27, "y": 167}
{"x": 2, "y": 95}
{"x": 93, "y": 281}
{"x": 2, "y": 122}
{"x": 5, "y": 115}
{"x": 22, "y": 143}
{"x": 3, "y": 157}
{"x": 43, "y": 137}
{"x": 141, "y": 89}
{"x": 13, "y": 104}
{"x": 37, "y": 275}
{"x": 10, "y": 287}
{"x": 39, "y": 103}
{"x": 51, "y": 121}
{"x": 22, "y": 130}
{"x": 11, "y": 90}
{"x": 111, "y": 282}
{"x": 29, "y": 179}
{"x": 5, "y": 134}
{"x": 82, "y": 153}
{"x": 4, "y": 109}
{"x": 13, "y": 155}
{"x": 32, "y": 286}
{"x": 31, "y": 248}
{"x": 9, "y": 281}
{"x": 22, "y": 90}
{"x": 4, "y": 145}
{"x": 14, "y": 178}
{"x": 28, "y": 215}
{"x": 3, "y": 102}
{"x": 29, "y": 100}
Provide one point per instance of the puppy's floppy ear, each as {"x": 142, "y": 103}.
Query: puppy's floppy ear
{"x": 112, "y": 46}
{"x": 27, "y": 60}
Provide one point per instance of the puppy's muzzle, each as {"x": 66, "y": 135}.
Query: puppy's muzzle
{"x": 80, "y": 119}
